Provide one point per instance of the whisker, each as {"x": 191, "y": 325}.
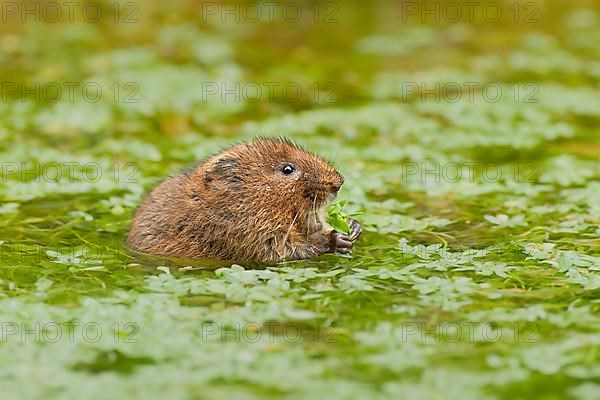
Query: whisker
{"x": 288, "y": 231}
{"x": 314, "y": 210}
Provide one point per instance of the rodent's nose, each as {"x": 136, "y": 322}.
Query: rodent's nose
{"x": 336, "y": 186}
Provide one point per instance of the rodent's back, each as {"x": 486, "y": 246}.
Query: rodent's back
{"x": 241, "y": 204}
{"x": 153, "y": 229}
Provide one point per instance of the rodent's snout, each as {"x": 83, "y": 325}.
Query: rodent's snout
{"x": 323, "y": 188}
{"x": 337, "y": 184}
{"x": 332, "y": 185}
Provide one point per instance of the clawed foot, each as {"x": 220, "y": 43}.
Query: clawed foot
{"x": 356, "y": 229}
{"x": 342, "y": 242}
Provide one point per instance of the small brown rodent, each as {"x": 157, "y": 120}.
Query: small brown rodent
{"x": 255, "y": 201}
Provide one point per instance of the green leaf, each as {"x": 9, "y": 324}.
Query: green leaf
{"x": 337, "y": 218}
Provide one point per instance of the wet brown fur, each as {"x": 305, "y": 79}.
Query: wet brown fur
{"x": 238, "y": 205}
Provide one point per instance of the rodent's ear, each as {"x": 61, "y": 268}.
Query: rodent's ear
{"x": 224, "y": 165}
{"x": 224, "y": 170}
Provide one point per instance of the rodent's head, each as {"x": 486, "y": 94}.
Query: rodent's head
{"x": 276, "y": 170}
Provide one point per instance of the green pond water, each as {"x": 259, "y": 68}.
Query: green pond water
{"x": 470, "y": 143}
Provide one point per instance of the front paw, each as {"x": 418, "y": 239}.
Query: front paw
{"x": 355, "y": 229}
{"x": 340, "y": 242}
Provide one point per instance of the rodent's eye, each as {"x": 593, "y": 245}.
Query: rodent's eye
{"x": 288, "y": 169}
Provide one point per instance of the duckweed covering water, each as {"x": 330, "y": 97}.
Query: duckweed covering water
{"x": 471, "y": 146}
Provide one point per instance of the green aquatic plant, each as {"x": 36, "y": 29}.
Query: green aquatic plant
{"x": 338, "y": 219}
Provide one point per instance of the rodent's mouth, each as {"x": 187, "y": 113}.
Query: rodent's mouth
{"x": 320, "y": 198}
{"x": 320, "y": 194}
